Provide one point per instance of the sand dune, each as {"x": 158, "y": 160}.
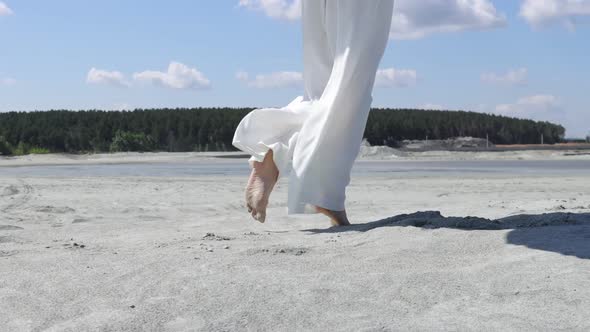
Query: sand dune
{"x": 473, "y": 252}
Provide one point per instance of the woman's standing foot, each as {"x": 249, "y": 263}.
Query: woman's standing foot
{"x": 337, "y": 218}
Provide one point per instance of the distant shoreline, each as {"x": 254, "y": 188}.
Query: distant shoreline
{"x": 518, "y": 147}
{"x": 367, "y": 153}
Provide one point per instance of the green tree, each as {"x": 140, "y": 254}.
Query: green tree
{"x": 126, "y": 141}
{"x": 5, "y": 148}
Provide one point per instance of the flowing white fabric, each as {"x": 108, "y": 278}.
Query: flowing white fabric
{"x": 321, "y": 132}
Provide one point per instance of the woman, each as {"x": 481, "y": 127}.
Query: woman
{"x": 343, "y": 43}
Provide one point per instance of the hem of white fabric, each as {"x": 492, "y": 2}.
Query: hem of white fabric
{"x": 254, "y": 156}
{"x": 308, "y": 206}
{"x": 303, "y": 209}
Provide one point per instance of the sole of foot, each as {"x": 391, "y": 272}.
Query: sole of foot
{"x": 262, "y": 180}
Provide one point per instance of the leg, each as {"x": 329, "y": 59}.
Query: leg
{"x": 270, "y": 135}
{"x": 337, "y": 218}
{"x": 330, "y": 137}
{"x": 318, "y": 57}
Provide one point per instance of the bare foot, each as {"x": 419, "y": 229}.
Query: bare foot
{"x": 337, "y": 218}
{"x": 262, "y": 180}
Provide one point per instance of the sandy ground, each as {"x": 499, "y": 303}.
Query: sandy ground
{"x": 181, "y": 254}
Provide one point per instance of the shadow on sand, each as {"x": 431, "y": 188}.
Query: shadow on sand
{"x": 564, "y": 233}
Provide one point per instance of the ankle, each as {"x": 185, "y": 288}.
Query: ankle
{"x": 267, "y": 166}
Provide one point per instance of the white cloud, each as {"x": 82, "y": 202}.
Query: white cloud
{"x": 429, "y": 106}
{"x": 98, "y": 76}
{"x": 279, "y": 9}
{"x": 121, "y": 107}
{"x": 536, "y": 107}
{"x": 541, "y": 12}
{"x": 512, "y": 77}
{"x": 178, "y": 76}
{"x": 282, "y": 79}
{"x": 548, "y": 108}
{"x": 242, "y": 76}
{"x": 5, "y": 10}
{"x": 391, "y": 77}
{"x": 411, "y": 19}
{"x": 416, "y": 19}
{"x": 7, "y": 81}
{"x": 539, "y": 102}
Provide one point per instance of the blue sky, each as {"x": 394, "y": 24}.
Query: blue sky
{"x": 523, "y": 58}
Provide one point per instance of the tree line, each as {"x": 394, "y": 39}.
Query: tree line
{"x": 212, "y": 129}
{"x": 387, "y": 127}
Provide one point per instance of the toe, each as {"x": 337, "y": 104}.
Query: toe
{"x": 260, "y": 216}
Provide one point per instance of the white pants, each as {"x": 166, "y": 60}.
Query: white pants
{"x": 343, "y": 43}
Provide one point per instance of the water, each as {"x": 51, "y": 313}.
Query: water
{"x": 361, "y": 168}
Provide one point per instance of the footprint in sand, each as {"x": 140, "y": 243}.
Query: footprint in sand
{"x": 19, "y": 197}
{"x": 10, "y": 228}
{"x": 6, "y": 239}
{"x": 150, "y": 218}
{"x": 294, "y": 251}
{"x": 291, "y": 251}
{"x": 7, "y": 253}
{"x": 213, "y": 237}
{"x": 9, "y": 191}
{"x": 55, "y": 209}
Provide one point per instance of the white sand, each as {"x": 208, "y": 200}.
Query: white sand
{"x": 111, "y": 158}
{"x": 147, "y": 262}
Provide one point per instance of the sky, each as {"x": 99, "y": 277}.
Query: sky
{"x": 521, "y": 58}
